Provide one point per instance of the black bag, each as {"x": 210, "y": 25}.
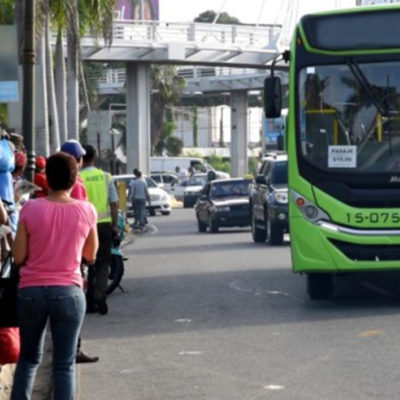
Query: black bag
{"x": 8, "y": 294}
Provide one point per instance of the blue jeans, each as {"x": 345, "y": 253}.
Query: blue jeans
{"x": 140, "y": 210}
{"x": 64, "y": 307}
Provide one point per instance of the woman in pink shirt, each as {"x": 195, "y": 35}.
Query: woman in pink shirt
{"x": 54, "y": 234}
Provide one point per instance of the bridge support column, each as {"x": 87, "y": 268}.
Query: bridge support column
{"x": 239, "y": 133}
{"x": 138, "y": 117}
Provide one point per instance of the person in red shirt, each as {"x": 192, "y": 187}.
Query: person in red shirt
{"x": 75, "y": 149}
{"x": 40, "y": 177}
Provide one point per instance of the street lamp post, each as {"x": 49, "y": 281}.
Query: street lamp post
{"x": 28, "y": 92}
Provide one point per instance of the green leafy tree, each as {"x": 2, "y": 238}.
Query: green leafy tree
{"x": 218, "y": 163}
{"x": 168, "y": 129}
{"x": 6, "y": 12}
{"x": 166, "y": 87}
{"x": 224, "y": 18}
{"x": 195, "y": 127}
{"x": 174, "y": 146}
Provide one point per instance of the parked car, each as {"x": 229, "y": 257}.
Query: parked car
{"x": 160, "y": 199}
{"x": 165, "y": 180}
{"x": 269, "y": 201}
{"x": 223, "y": 203}
{"x": 193, "y": 189}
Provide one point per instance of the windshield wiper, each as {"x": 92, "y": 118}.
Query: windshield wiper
{"x": 376, "y": 101}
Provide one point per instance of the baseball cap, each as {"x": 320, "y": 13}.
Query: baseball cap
{"x": 40, "y": 162}
{"x": 74, "y": 148}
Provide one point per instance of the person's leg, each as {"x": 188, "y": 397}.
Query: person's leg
{"x": 32, "y": 316}
{"x": 102, "y": 265}
{"x": 142, "y": 211}
{"x": 137, "y": 211}
{"x": 66, "y": 312}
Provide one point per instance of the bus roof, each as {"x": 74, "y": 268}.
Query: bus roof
{"x": 363, "y": 30}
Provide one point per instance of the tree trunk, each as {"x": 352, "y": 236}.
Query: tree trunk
{"x": 42, "y": 115}
{"x": 61, "y": 88}
{"x": 51, "y": 93}
{"x": 73, "y": 72}
{"x": 157, "y": 118}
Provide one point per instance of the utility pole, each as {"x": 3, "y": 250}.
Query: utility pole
{"x": 28, "y": 92}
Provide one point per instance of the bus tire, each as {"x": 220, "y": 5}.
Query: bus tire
{"x": 319, "y": 285}
{"x": 259, "y": 234}
{"x": 274, "y": 233}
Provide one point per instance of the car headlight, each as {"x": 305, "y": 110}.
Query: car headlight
{"x": 281, "y": 197}
{"x": 222, "y": 209}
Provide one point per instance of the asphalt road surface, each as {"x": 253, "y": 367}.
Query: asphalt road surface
{"x": 218, "y": 317}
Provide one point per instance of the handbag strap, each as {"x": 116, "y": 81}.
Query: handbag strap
{"x": 4, "y": 265}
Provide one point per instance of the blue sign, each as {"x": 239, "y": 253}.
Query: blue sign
{"x": 274, "y": 127}
{"x": 9, "y": 91}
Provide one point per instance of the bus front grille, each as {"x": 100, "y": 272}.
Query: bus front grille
{"x": 361, "y": 252}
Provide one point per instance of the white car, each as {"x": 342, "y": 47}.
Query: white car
{"x": 160, "y": 199}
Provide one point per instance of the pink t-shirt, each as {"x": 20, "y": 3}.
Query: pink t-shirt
{"x": 78, "y": 190}
{"x": 57, "y": 233}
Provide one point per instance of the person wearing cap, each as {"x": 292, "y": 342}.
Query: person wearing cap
{"x": 40, "y": 177}
{"x": 75, "y": 149}
{"x": 102, "y": 194}
{"x": 78, "y": 192}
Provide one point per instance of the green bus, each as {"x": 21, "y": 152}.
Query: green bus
{"x": 343, "y": 143}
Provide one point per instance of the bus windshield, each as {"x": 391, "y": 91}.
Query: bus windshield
{"x": 350, "y": 117}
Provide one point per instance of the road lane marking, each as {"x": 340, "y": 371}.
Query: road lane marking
{"x": 183, "y": 320}
{"x": 274, "y": 387}
{"x": 370, "y": 333}
{"x": 190, "y": 353}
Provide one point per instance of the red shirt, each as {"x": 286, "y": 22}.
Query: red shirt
{"x": 41, "y": 181}
{"x": 78, "y": 191}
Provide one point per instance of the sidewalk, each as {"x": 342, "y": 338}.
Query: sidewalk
{"x": 42, "y": 389}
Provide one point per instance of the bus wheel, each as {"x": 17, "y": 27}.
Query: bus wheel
{"x": 319, "y": 286}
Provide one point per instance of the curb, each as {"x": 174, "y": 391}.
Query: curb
{"x": 6, "y": 378}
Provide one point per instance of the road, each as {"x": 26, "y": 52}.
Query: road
{"x": 217, "y": 317}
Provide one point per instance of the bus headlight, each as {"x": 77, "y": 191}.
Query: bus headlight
{"x": 309, "y": 210}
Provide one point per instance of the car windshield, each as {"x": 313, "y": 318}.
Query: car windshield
{"x": 279, "y": 173}
{"x": 150, "y": 182}
{"x": 229, "y": 189}
{"x": 350, "y": 117}
{"x": 197, "y": 180}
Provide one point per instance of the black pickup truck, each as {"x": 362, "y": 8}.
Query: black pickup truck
{"x": 269, "y": 201}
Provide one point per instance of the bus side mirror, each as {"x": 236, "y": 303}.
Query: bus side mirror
{"x": 272, "y": 97}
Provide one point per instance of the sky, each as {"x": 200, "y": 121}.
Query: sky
{"x": 247, "y": 11}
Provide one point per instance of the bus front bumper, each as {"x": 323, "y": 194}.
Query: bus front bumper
{"x": 327, "y": 247}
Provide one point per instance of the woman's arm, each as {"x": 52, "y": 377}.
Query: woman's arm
{"x": 3, "y": 214}
{"x": 90, "y": 247}
{"x": 20, "y": 246}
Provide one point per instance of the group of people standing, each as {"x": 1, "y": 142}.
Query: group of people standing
{"x": 70, "y": 222}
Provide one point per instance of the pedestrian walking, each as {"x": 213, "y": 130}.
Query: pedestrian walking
{"x": 54, "y": 234}
{"x": 78, "y": 192}
{"x": 139, "y": 193}
{"x": 101, "y": 192}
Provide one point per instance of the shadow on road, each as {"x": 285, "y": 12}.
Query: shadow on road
{"x": 224, "y": 300}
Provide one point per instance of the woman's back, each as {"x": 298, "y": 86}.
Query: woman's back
{"x": 56, "y": 233}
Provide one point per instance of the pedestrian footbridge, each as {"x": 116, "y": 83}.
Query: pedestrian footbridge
{"x": 223, "y": 48}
